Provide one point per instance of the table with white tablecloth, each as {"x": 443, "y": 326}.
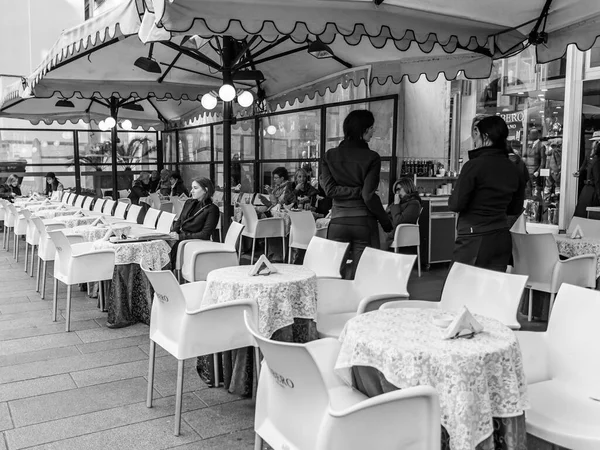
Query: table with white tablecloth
{"x": 287, "y": 307}
{"x": 72, "y": 221}
{"x": 91, "y": 233}
{"x": 130, "y": 297}
{"x": 478, "y": 380}
{"x": 575, "y": 247}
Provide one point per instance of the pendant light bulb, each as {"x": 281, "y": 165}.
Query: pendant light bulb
{"x": 271, "y": 129}
{"x": 245, "y": 99}
{"x": 126, "y": 124}
{"x": 110, "y": 122}
{"x": 227, "y": 92}
{"x": 208, "y": 101}
{"x": 102, "y": 125}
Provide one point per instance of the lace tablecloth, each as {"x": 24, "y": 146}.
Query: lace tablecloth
{"x": 281, "y": 297}
{"x": 154, "y": 254}
{"x": 41, "y": 207}
{"x": 74, "y": 221}
{"x": 476, "y": 379}
{"x": 92, "y": 233}
{"x": 55, "y": 213}
{"x": 575, "y": 247}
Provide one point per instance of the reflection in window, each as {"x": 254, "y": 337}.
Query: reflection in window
{"x": 242, "y": 141}
{"x": 194, "y": 145}
{"x": 291, "y": 136}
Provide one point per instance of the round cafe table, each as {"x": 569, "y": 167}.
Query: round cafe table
{"x": 480, "y": 381}
{"x": 575, "y": 247}
{"x": 287, "y": 306}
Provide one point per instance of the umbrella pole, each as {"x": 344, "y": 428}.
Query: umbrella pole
{"x": 113, "y": 139}
{"x": 227, "y": 121}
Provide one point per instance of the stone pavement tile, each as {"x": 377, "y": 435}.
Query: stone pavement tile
{"x": 52, "y": 328}
{"x": 38, "y": 343}
{"x": 39, "y": 355}
{"x": 240, "y": 440}
{"x": 38, "y": 386}
{"x": 25, "y": 307}
{"x": 105, "y": 334}
{"x": 216, "y": 396}
{"x": 116, "y": 372}
{"x": 140, "y": 341}
{"x": 75, "y": 402}
{"x": 107, "y": 419}
{"x": 5, "y": 420}
{"x": 159, "y": 350}
{"x": 2, "y": 442}
{"x": 23, "y": 318}
{"x": 71, "y": 364}
{"x": 165, "y": 382}
{"x": 222, "y": 419}
{"x": 151, "y": 435}
{"x": 16, "y": 299}
{"x": 87, "y": 314}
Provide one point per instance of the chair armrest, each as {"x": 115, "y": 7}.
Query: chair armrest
{"x": 534, "y": 349}
{"x": 411, "y": 304}
{"x": 270, "y": 227}
{"x": 75, "y": 239}
{"x": 578, "y": 270}
{"x": 325, "y": 353}
{"x": 374, "y": 302}
{"x": 104, "y": 251}
{"x": 336, "y": 296}
{"x": 180, "y": 248}
{"x": 193, "y": 294}
{"x": 55, "y": 226}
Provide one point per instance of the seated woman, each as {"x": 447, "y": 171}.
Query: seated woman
{"x": 199, "y": 216}
{"x": 140, "y": 188}
{"x": 282, "y": 192}
{"x": 154, "y": 181}
{"x": 305, "y": 193}
{"x": 52, "y": 184}
{"x": 10, "y": 189}
{"x": 406, "y": 207}
{"x": 177, "y": 187}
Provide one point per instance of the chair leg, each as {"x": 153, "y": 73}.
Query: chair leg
{"x": 68, "y": 324}
{"x": 44, "y": 270}
{"x": 552, "y": 294}
{"x": 253, "y": 246}
{"x": 8, "y": 241}
{"x": 266, "y": 248}
{"x": 101, "y": 296}
{"x": 55, "y": 301}
{"x": 258, "y": 442}
{"x": 283, "y": 248}
{"x": 419, "y": 260}
{"x": 151, "y": 359}
{"x": 289, "y": 255}
{"x": 37, "y": 281}
{"x": 16, "y": 251}
{"x": 256, "y": 371}
{"x": 33, "y": 248}
{"x": 216, "y": 368}
{"x": 26, "y": 254}
{"x": 178, "y": 395}
{"x": 530, "y": 306}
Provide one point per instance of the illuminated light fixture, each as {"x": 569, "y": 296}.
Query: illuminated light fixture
{"x": 544, "y": 90}
{"x": 505, "y": 109}
{"x": 559, "y": 107}
{"x": 126, "y": 124}
{"x": 271, "y": 129}
{"x": 34, "y": 150}
{"x": 57, "y": 143}
{"x": 227, "y": 92}
{"x": 133, "y": 107}
{"x": 520, "y": 93}
{"x": 148, "y": 64}
{"x": 110, "y": 122}
{"x": 64, "y": 103}
{"x": 44, "y": 144}
{"x": 320, "y": 50}
{"x": 66, "y": 135}
{"x": 102, "y": 125}
{"x": 245, "y": 99}
{"x": 555, "y": 112}
{"x": 208, "y": 101}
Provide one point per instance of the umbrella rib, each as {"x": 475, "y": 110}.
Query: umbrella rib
{"x": 266, "y": 49}
{"x": 160, "y": 116}
{"x": 84, "y": 54}
{"x": 194, "y": 55}
{"x": 162, "y": 77}
{"x": 203, "y": 74}
{"x": 247, "y": 45}
{"x": 279, "y": 55}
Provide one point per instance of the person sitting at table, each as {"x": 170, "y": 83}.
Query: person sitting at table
{"x": 405, "y": 209}
{"x": 164, "y": 187}
{"x": 139, "y": 188}
{"x": 282, "y": 192}
{"x": 10, "y": 189}
{"x": 199, "y": 216}
{"x": 305, "y": 193}
{"x": 177, "y": 187}
{"x": 52, "y": 184}
{"x": 154, "y": 181}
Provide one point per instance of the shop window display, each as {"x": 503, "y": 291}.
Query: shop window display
{"x": 530, "y": 98}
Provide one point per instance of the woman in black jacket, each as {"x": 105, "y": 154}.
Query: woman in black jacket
{"x": 10, "y": 189}
{"x": 406, "y": 207}
{"x": 350, "y": 176}
{"x": 488, "y": 189}
{"x": 199, "y": 215}
{"x": 590, "y": 194}
{"x": 140, "y": 188}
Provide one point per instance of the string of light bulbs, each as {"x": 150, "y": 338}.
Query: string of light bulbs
{"x": 227, "y": 93}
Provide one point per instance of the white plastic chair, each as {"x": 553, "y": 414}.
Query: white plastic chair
{"x": 79, "y": 201}
{"x": 10, "y": 219}
{"x": 165, "y": 221}
{"x": 65, "y": 198}
{"x": 302, "y": 230}
{"x": 536, "y": 255}
{"x": 520, "y": 225}
{"x": 132, "y": 213}
{"x": 380, "y": 277}
{"x": 407, "y": 235}
{"x": 79, "y": 263}
{"x": 120, "y": 210}
{"x": 153, "y": 200}
{"x": 589, "y": 227}
{"x": 108, "y": 207}
{"x": 325, "y": 257}
{"x": 127, "y": 201}
{"x": 264, "y": 228}
{"x": 485, "y": 292}
{"x": 123, "y": 193}
{"x": 302, "y": 404}
{"x": 19, "y": 228}
{"x": 87, "y": 203}
{"x": 180, "y": 327}
{"x": 3, "y": 210}
{"x": 562, "y": 367}
{"x": 32, "y": 239}
{"x": 177, "y": 206}
{"x": 166, "y": 207}
{"x": 99, "y": 205}
{"x": 151, "y": 218}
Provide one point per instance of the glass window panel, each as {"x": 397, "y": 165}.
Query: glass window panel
{"x": 95, "y": 149}
{"x": 194, "y": 145}
{"x": 594, "y": 55}
{"x": 242, "y": 141}
{"x": 291, "y": 136}
{"x": 384, "y": 182}
{"x": 169, "y": 148}
{"x": 36, "y": 146}
{"x": 34, "y": 180}
{"x": 137, "y": 150}
{"x": 383, "y": 110}
{"x": 267, "y": 168}
{"x": 190, "y": 171}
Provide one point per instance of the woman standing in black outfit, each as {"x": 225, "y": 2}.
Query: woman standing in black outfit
{"x": 350, "y": 176}
{"x": 590, "y": 194}
{"x": 199, "y": 215}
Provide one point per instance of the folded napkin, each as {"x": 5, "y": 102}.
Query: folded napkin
{"x": 183, "y": 197}
{"x": 577, "y": 233}
{"x": 99, "y": 220}
{"x": 109, "y": 233}
{"x": 464, "y": 323}
{"x": 79, "y": 214}
{"x": 63, "y": 206}
{"x": 262, "y": 267}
